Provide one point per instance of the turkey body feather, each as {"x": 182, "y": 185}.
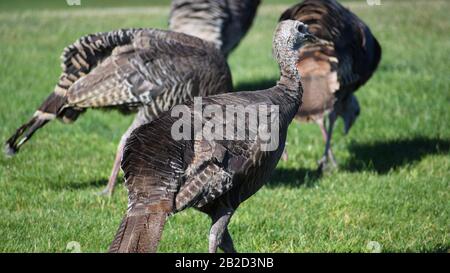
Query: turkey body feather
{"x": 213, "y": 175}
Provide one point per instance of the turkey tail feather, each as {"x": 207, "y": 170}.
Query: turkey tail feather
{"x": 48, "y": 111}
{"x": 24, "y": 133}
{"x": 139, "y": 233}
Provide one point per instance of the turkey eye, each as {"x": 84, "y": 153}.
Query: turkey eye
{"x": 301, "y": 28}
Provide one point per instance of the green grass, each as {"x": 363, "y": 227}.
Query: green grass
{"x": 392, "y": 186}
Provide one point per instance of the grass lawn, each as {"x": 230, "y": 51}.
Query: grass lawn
{"x": 393, "y": 185}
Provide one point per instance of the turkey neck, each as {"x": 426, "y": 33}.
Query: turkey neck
{"x": 290, "y": 94}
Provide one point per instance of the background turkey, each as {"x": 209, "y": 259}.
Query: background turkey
{"x": 150, "y": 69}
{"x": 333, "y": 68}
{"x": 223, "y": 22}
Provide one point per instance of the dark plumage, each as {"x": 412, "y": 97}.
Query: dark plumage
{"x": 223, "y": 22}
{"x": 336, "y": 66}
{"x": 213, "y": 176}
{"x": 146, "y": 69}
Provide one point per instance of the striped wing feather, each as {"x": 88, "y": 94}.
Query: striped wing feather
{"x": 133, "y": 74}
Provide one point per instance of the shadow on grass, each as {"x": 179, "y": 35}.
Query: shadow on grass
{"x": 441, "y": 249}
{"x": 294, "y": 178}
{"x": 383, "y": 156}
{"x": 81, "y": 185}
{"x": 258, "y": 84}
{"x": 434, "y": 249}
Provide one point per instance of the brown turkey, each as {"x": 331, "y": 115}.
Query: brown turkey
{"x": 222, "y": 22}
{"x": 333, "y": 68}
{"x": 146, "y": 69}
{"x": 213, "y": 175}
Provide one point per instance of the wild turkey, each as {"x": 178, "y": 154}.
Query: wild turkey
{"x": 146, "y": 69}
{"x": 223, "y": 22}
{"x": 209, "y": 174}
{"x": 344, "y": 58}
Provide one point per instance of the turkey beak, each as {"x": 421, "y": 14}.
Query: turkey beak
{"x": 311, "y": 38}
